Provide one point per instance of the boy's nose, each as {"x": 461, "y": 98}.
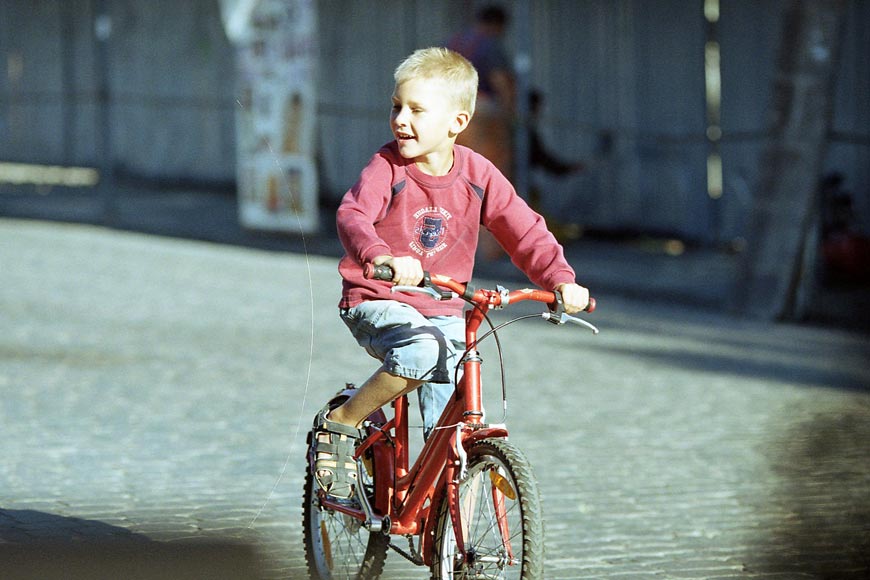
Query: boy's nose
{"x": 400, "y": 116}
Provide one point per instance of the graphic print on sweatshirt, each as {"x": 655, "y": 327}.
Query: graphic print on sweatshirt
{"x": 430, "y": 231}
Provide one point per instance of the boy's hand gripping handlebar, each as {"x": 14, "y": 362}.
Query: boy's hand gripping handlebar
{"x": 445, "y": 288}
{"x": 557, "y": 314}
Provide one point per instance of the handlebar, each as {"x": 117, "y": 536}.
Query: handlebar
{"x": 432, "y": 284}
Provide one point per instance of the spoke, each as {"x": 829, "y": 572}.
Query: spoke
{"x": 346, "y": 546}
{"x": 492, "y": 502}
{"x": 480, "y": 515}
{"x": 486, "y": 508}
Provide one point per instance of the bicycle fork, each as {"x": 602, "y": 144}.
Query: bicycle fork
{"x": 500, "y": 488}
{"x": 456, "y": 472}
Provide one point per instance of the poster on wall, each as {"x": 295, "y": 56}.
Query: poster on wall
{"x": 276, "y": 108}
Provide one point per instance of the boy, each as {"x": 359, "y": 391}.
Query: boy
{"x": 417, "y": 206}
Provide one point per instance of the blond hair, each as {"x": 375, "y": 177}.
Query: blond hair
{"x": 438, "y": 63}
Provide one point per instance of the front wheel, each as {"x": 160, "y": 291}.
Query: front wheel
{"x": 501, "y": 519}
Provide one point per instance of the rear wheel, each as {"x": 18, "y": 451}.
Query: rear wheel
{"x": 337, "y": 546}
{"x": 502, "y": 524}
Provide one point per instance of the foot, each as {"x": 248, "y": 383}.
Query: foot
{"x": 334, "y": 466}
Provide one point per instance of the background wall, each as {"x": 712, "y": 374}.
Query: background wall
{"x": 629, "y": 69}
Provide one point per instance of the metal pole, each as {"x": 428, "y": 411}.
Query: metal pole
{"x": 523, "y": 66}
{"x": 102, "y": 35}
{"x": 68, "y": 102}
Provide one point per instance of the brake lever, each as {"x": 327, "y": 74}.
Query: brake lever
{"x": 563, "y": 318}
{"x": 425, "y": 290}
{"x": 556, "y": 314}
{"x": 427, "y": 287}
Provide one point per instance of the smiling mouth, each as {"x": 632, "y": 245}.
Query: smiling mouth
{"x": 404, "y": 137}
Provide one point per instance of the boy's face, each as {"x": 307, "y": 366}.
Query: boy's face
{"x": 425, "y": 120}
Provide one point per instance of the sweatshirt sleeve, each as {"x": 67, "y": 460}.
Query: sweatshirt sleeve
{"x": 361, "y": 208}
{"x": 524, "y": 235}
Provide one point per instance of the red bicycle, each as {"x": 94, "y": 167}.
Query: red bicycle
{"x": 468, "y": 506}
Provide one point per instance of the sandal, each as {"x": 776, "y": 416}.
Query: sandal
{"x": 333, "y": 446}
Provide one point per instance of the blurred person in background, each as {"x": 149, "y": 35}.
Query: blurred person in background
{"x": 491, "y": 132}
{"x": 541, "y": 158}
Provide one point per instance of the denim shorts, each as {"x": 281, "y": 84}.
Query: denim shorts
{"x": 409, "y": 344}
{"x": 413, "y": 346}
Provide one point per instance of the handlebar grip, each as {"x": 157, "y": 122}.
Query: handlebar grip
{"x": 382, "y": 272}
{"x": 591, "y": 306}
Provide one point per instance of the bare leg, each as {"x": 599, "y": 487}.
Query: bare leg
{"x": 376, "y": 392}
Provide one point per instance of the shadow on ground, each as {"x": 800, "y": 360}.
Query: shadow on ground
{"x": 824, "y": 467}
{"x": 36, "y": 545}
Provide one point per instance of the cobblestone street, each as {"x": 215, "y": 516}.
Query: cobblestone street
{"x": 156, "y": 394}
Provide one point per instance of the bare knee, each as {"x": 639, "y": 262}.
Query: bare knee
{"x": 381, "y": 389}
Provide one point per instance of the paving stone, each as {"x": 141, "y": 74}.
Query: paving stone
{"x": 158, "y": 391}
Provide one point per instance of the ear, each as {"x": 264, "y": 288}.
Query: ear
{"x": 460, "y": 122}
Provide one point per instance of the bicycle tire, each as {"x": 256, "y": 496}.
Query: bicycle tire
{"x": 487, "y": 553}
{"x": 338, "y": 547}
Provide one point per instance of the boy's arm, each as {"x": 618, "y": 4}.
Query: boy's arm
{"x": 361, "y": 207}
{"x": 533, "y": 249}
{"x": 524, "y": 235}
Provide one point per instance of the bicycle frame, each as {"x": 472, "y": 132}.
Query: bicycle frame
{"x": 404, "y": 494}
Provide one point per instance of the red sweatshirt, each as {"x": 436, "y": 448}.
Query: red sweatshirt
{"x": 396, "y": 209}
